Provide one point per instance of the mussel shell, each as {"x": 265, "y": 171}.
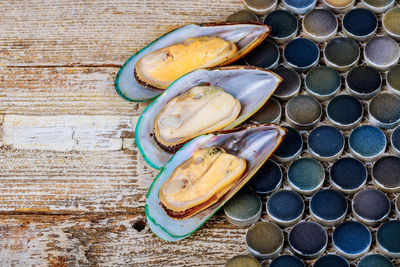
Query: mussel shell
{"x": 255, "y": 143}
{"x": 250, "y": 85}
{"x": 246, "y": 35}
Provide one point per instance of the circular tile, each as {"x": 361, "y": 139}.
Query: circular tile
{"x": 351, "y": 239}
{"x": 328, "y": 207}
{"x": 243, "y": 209}
{"x": 265, "y": 55}
{"x": 367, "y": 143}
{"x": 385, "y": 173}
{"x": 306, "y": 176}
{"x": 270, "y": 112}
{"x": 299, "y": 6}
{"x": 285, "y": 207}
{"x": 341, "y": 53}
{"x": 320, "y": 25}
{"x": 303, "y": 112}
{"x": 267, "y": 179}
{"x": 290, "y": 86}
{"x": 363, "y": 82}
{"x": 284, "y": 25}
{"x": 398, "y": 205}
{"x": 348, "y": 175}
{"x": 260, "y": 7}
{"x": 322, "y": 82}
{"x": 287, "y": 260}
{"x": 242, "y": 15}
{"x": 381, "y": 52}
{"x": 339, "y": 5}
{"x": 301, "y": 54}
{"x": 370, "y": 206}
{"x": 384, "y": 110}
{"x": 344, "y": 111}
{"x": 388, "y": 239}
{"x": 359, "y": 24}
{"x": 393, "y": 80}
{"x": 291, "y": 146}
{"x": 395, "y": 140}
{"x": 378, "y": 6}
{"x": 375, "y": 260}
{"x": 264, "y": 240}
{"x": 331, "y": 260}
{"x": 308, "y": 240}
{"x": 326, "y": 143}
{"x": 390, "y": 23}
{"x": 242, "y": 260}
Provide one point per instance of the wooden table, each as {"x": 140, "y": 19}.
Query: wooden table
{"x": 73, "y": 184}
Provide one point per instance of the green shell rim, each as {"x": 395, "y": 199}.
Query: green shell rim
{"x": 235, "y": 191}
{"x": 232, "y": 67}
{"x": 116, "y": 81}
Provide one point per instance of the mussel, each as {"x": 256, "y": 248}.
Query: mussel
{"x": 152, "y": 69}
{"x": 188, "y": 108}
{"x": 177, "y": 205}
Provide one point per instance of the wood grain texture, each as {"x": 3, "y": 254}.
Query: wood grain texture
{"x": 90, "y": 33}
{"x": 112, "y": 240}
{"x": 61, "y": 91}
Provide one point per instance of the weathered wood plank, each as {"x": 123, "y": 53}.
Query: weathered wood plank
{"x": 63, "y": 32}
{"x": 122, "y": 240}
{"x": 72, "y": 182}
{"x": 60, "y": 91}
{"x": 66, "y": 133}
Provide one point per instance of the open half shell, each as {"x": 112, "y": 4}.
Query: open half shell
{"x": 254, "y": 143}
{"x": 246, "y": 36}
{"x": 251, "y": 86}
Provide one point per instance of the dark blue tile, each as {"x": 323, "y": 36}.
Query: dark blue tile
{"x": 388, "y": 238}
{"x": 331, "y": 261}
{"x": 301, "y": 54}
{"x": 306, "y": 175}
{"x": 326, "y": 143}
{"x": 348, "y": 175}
{"x": 286, "y": 261}
{"x": 385, "y": 173}
{"x": 308, "y": 240}
{"x": 284, "y": 25}
{"x": 300, "y": 6}
{"x": 375, "y": 260}
{"x": 267, "y": 179}
{"x": 328, "y": 207}
{"x": 285, "y": 207}
{"x": 367, "y": 142}
{"x": 322, "y": 82}
{"x": 342, "y": 53}
{"x": 290, "y": 147}
{"x": 290, "y": 85}
{"x": 360, "y": 24}
{"x": 370, "y": 206}
{"x": 265, "y": 55}
{"x": 351, "y": 239}
{"x": 384, "y": 110}
{"x": 344, "y": 111}
{"x": 363, "y": 82}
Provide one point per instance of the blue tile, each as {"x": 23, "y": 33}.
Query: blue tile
{"x": 283, "y": 24}
{"x": 388, "y": 238}
{"x": 285, "y": 207}
{"x": 308, "y": 240}
{"x": 300, "y": 6}
{"x": 290, "y": 147}
{"x": 286, "y": 261}
{"x": 395, "y": 138}
{"x": 328, "y": 206}
{"x": 267, "y": 179}
{"x": 344, "y": 111}
{"x": 367, "y": 142}
{"x": 348, "y": 174}
{"x": 360, "y": 23}
{"x": 326, "y": 143}
{"x": 375, "y": 260}
{"x": 351, "y": 239}
{"x": 331, "y": 261}
{"x": 301, "y": 53}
